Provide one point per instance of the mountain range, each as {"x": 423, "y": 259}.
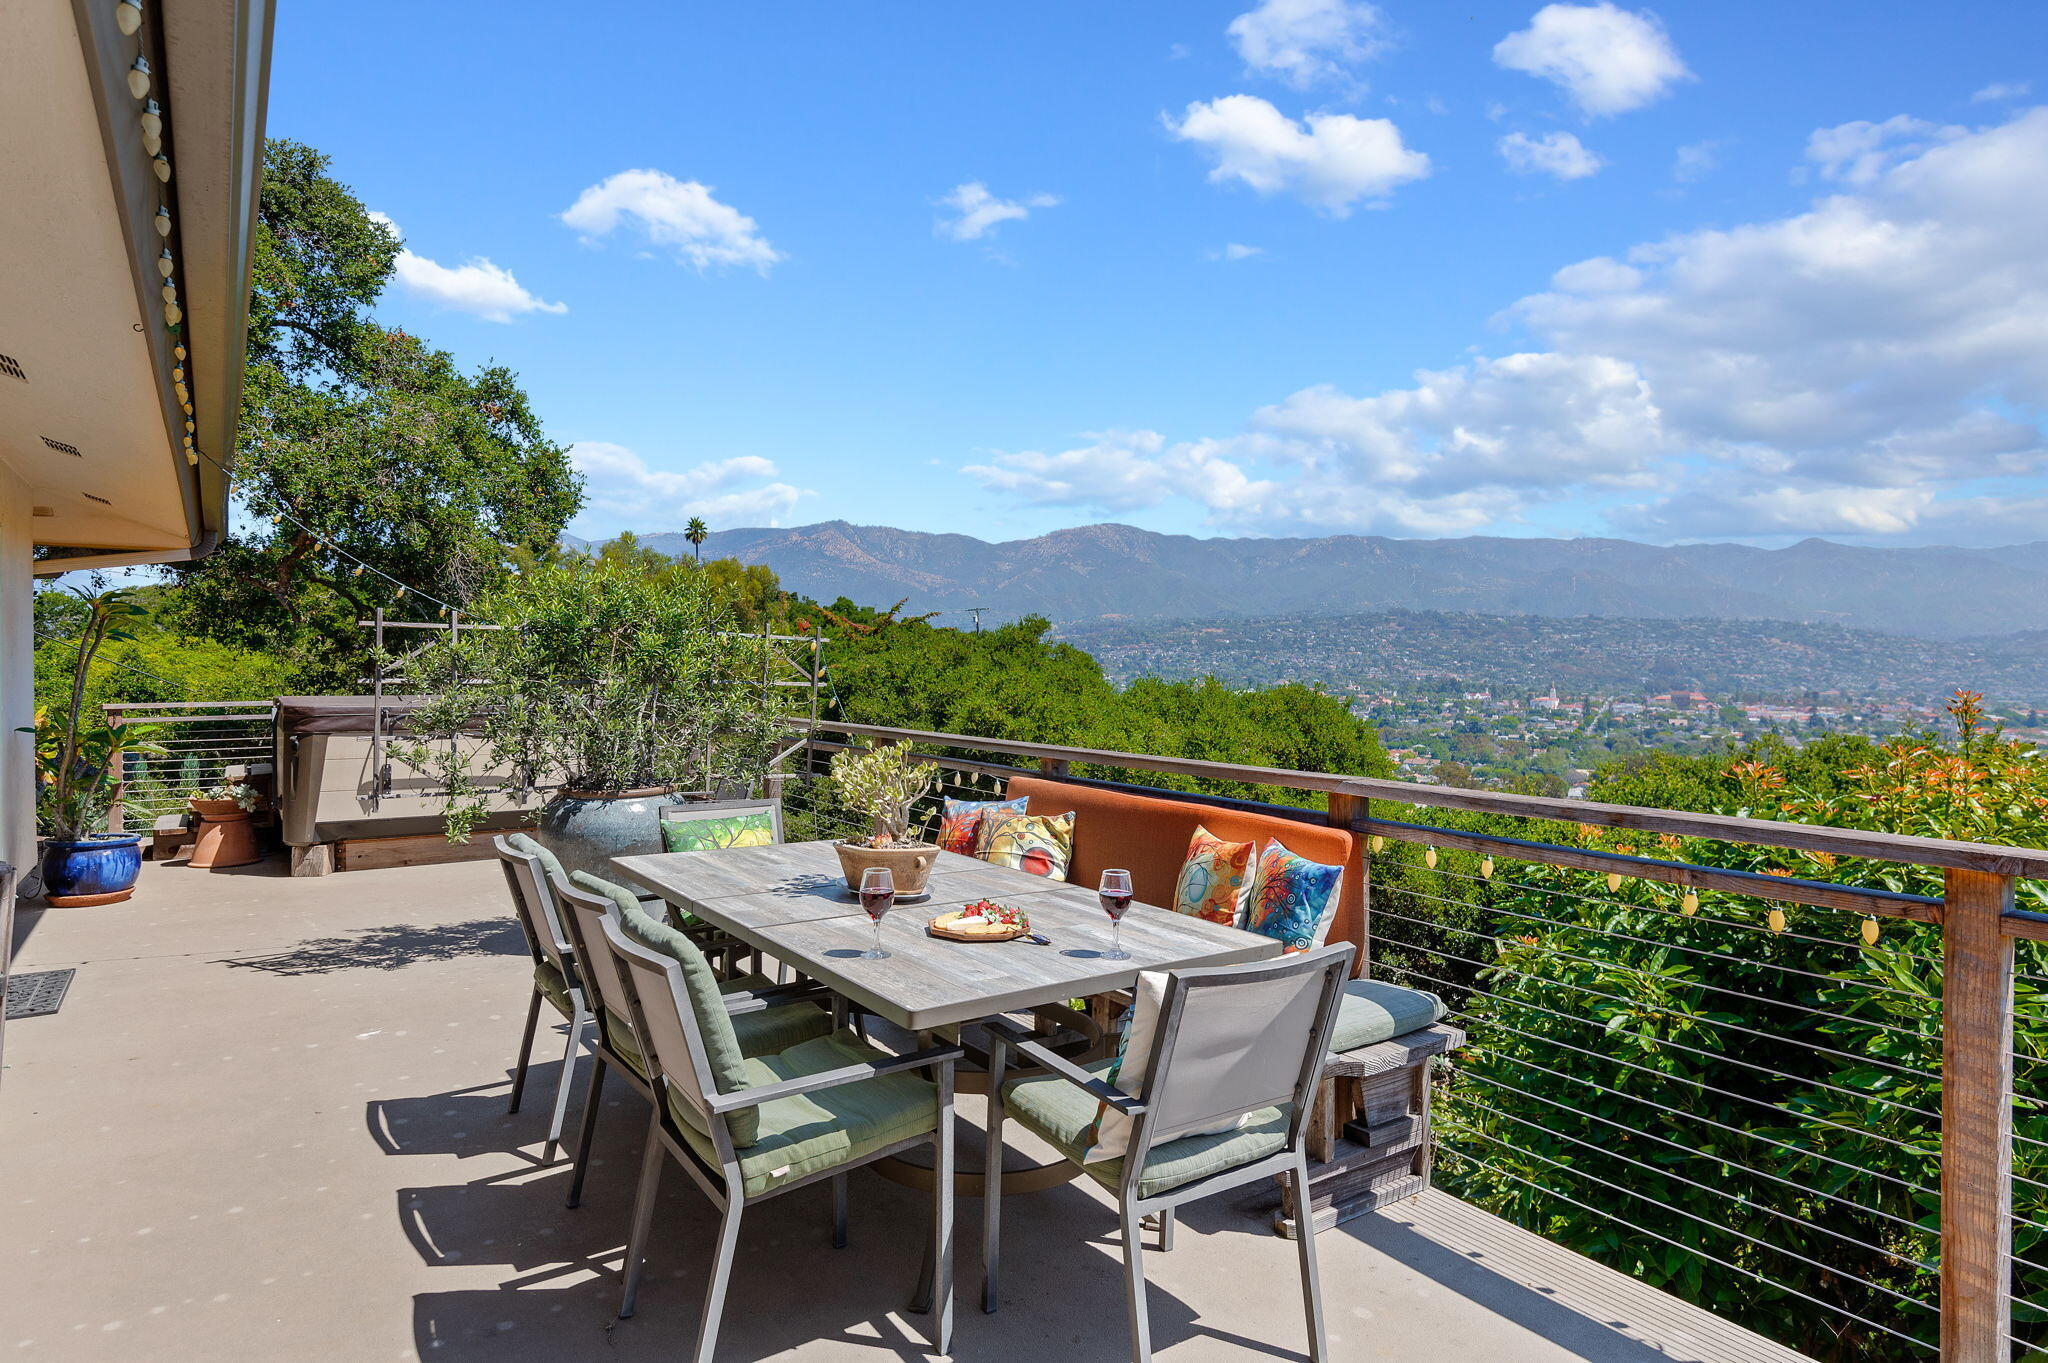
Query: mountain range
{"x": 1119, "y": 572}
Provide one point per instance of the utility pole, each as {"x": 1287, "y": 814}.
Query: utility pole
{"x": 976, "y": 611}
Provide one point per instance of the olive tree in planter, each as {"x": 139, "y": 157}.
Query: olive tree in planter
{"x": 617, "y": 690}
{"x": 884, "y": 783}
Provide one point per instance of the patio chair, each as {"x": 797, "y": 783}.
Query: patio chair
{"x": 1230, "y": 1074}
{"x": 765, "y": 1019}
{"x": 749, "y": 1130}
{"x": 713, "y": 812}
{"x": 528, "y": 867}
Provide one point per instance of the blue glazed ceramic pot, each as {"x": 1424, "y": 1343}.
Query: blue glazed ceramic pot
{"x": 81, "y": 872}
{"x": 585, "y": 829}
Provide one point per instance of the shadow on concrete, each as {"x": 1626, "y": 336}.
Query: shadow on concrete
{"x": 390, "y": 948}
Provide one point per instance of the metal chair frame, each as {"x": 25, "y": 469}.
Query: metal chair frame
{"x": 550, "y": 944}
{"x": 661, "y": 1008}
{"x": 1185, "y": 988}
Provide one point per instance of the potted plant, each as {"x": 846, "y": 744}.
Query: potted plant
{"x": 78, "y": 766}
{"x": 884, "y": 783}
{"x": 619, "y": 689}
{"x": 225, "y": 837}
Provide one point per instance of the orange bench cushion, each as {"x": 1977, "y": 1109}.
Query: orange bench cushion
{"x": 1148, "y": 835}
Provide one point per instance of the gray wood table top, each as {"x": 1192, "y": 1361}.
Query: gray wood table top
{"x": 791, "y": 902}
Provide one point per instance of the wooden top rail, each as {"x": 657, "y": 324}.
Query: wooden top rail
{"x": 1842, "y": 842}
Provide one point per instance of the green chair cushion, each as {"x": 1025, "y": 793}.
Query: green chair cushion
{"x": 721, "y": 1042}
{"x": 549, "y": 862}
{"x": 1061, "y": 1113}
{"x": 763, "y": 1033}
{"x": 554, "y": 987}
{"x": 817, "y": 1131}
{"x": 1374, "y": 1011}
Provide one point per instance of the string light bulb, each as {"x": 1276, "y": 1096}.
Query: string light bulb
{"x": 1486, "y": 869}
{"x": 400, "y": 596}
{"x": 1689, "y": 905}
{"x": 162, "y": 165}
{"x": 358, "y": 571}
{"x": 1429, "y": 857}
{"x": 1870, "y": 932}
{"x": 192, "y": 457}
{"x": 128, "y": 16}
{"x": 152, "y": 122}
{"x": 152, "y": 142}
{"x": 138, "y": 78}
{"x": 179, "y": 351}
{"x": 1379, "y": 844}
{"x": 1613, "y": 881}
{"x": 163, "y": 222}
{"x": 1777, "y": 920}
{"x": 170, "y": 291}
{"x": 164, "y": 263}
{"x": 173, "y": 314}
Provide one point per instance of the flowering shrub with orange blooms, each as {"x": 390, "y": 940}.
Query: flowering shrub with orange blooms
{"x": 1733, "y": 1098}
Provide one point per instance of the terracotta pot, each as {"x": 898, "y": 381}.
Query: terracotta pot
{"x": 225, "y": 838}
{"x": 910, "y": 866}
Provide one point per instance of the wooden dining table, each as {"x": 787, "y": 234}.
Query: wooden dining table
{"x": 790, "y": 901}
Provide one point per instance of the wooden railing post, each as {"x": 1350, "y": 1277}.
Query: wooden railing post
{"x": 1054, "y": 767}
{"x": 1976, "y": 1119}
{"x": 1343, "y": 811}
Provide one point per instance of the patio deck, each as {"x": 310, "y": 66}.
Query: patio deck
{"x": 269, "y": 1124}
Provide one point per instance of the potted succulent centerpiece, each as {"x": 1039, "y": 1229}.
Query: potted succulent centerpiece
{"x": 884, "y": 784}
{"x": 616, "y": 688}
{"x": 78, "y": 770}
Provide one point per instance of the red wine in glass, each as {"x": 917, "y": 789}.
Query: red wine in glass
{"x": 1115, "y": 894}
{"x": 877, "y": 897}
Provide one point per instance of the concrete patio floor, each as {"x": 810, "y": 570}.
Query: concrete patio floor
{"x": 269, "y": 1124}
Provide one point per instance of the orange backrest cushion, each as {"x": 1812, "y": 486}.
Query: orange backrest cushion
{"x": 1148, "y": 836}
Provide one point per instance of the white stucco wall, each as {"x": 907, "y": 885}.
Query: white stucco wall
{"x": 17, "y": 675}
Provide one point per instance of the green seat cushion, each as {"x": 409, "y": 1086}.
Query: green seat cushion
{"x": 1374, "y": 1011}
{"x": 756, "y": 828}
{"x": 763, "y": 1033}
{"x": 554, "y": 987}
{"x": 823, "y": 1130}
{"x": 1061, "y": 1113}
{"x": 700, "y": 983}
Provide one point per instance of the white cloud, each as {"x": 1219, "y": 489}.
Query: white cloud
{"x": 978, "y": 212}
{"x": 1695, "y": 161}
{"x": 1236, "y": 250}
{"x": 622, "y": 491}
{"x": 1559, "y": 153}
{"x": 1858, "y": 153}
{"x": 1874, "y": 366}
{"x": 1607, "y": 59}
{"x": 1329, "y": 161}
{"x": 476, "y": 286}
{"x": 678, "y": 215}
{"x": 1303, "y": 42}
{"x": 2000, "y": 91}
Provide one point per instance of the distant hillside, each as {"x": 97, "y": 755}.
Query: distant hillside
{"x": 1525, "y": 653}
{"x": 1120, "y": 572}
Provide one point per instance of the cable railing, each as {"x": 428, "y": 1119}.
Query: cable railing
{"x": 178, "y": 747}
{"x": 1769, "y": 1070}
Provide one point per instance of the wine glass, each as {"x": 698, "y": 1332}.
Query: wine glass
{"x": 877, "y": 896}
{"x": 1115, "y": 893}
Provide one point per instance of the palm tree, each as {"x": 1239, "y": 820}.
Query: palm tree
{"x": 695, "y": 532}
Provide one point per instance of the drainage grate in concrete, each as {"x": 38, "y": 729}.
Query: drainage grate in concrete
{"x": 37, "y": 994}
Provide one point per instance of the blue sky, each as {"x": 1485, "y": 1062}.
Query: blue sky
{"x": 1293, "y": 267}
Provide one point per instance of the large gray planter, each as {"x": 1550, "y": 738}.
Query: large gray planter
{"x": 587, "y": 828}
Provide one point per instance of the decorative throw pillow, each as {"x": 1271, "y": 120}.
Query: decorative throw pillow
{"x": 1038, "y": 843}
{"x": 1293, "y": 898}
{"x": 960, "y": 822}
{"x": 1109, "y": 1135}
{"x": 1212, "y": 879}
{"x": 755, "y": 828}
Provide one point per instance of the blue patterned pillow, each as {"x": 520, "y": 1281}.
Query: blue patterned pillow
{"x": 1293, "y": 898}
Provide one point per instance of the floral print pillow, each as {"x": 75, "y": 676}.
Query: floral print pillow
{"x": 960, "y": 822}
{"x": 1211, "y": 883}
{"x": 1293, "y": 898}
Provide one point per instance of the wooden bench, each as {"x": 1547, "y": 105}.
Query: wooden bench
{"x": 1368, "y": 1138}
